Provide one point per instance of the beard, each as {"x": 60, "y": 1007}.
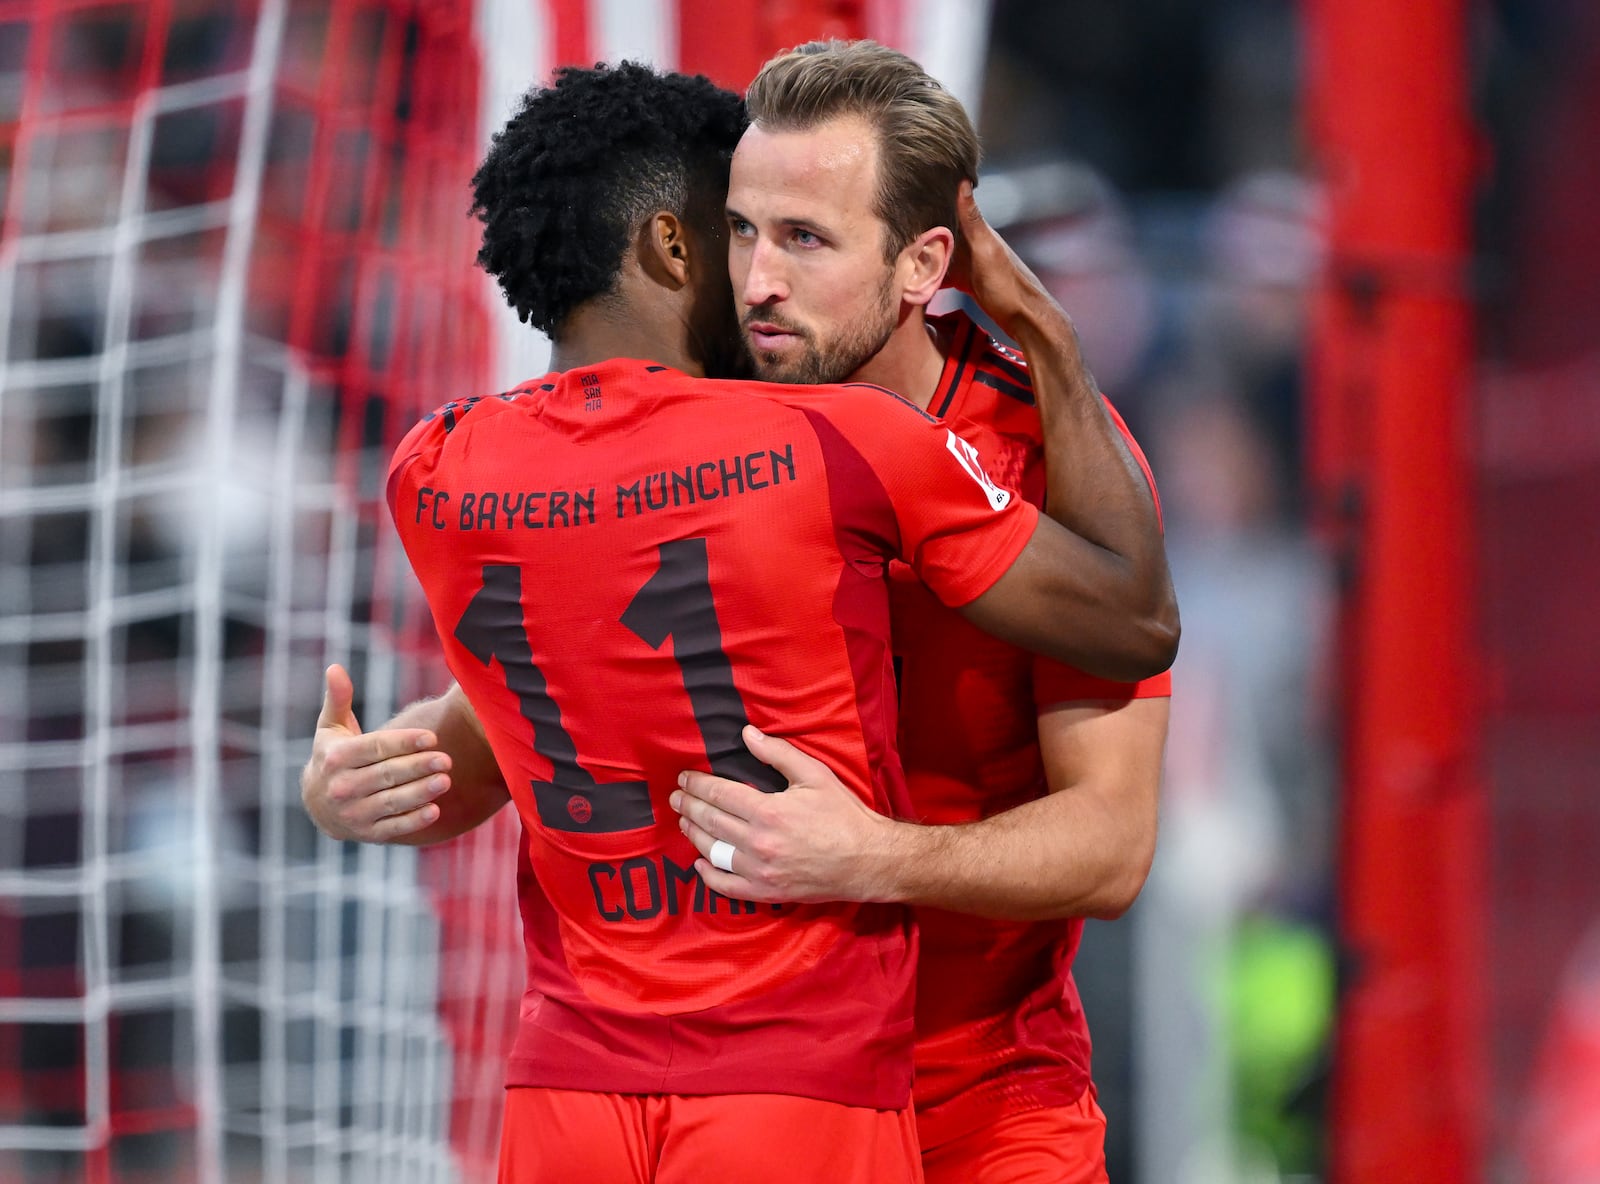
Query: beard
{"x": 833, "y": 360}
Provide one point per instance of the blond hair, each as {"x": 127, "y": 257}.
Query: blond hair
{"x": 926, "y": 142}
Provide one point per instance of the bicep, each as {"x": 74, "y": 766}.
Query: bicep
{"x": 1102, "y": 763}
{"x": 1113, "y": 749}
{"x": 1048, "y": 601}
{"x": 1014, "y": 609}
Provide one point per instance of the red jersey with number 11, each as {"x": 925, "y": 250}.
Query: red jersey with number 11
{"x": 626, "y": 565}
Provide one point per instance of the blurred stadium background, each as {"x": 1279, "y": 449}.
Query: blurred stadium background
{"x": 1334, "y": 260}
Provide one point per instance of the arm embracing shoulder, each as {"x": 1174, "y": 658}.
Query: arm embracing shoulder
{"x": 1111, "y": 573}
{"x": 982, "y": 549}
{"x": 1057, "y": 599}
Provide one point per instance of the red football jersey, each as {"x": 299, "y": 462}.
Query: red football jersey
{"x": 999, "y": 1024}
{"x": 626, "y": 565}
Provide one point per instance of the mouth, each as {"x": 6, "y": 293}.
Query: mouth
{"x": 768, "y": 336}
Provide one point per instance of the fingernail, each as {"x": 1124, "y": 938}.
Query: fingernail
{"x": 760, "y": 735}
{"x": 425, "y": 741}
{"x": 438, "y": 764}
{"x": 675, "y": 801}
{"x": 683, "y": 780}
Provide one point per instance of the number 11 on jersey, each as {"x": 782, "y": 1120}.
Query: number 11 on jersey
{"x": 676, "y": 602}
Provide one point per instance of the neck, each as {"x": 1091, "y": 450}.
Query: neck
{"x": 909, "y": 363}
{"x": 596, "y": 333}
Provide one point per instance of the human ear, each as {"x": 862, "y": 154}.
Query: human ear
{"x": 923, "y": 263}
{"x": 663, "y": 249}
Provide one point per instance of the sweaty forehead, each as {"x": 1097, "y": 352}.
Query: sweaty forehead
{"x": 831, "y": 166}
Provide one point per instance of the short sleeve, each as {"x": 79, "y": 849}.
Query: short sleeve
{"x": 1054, "y": 684}
{"x": 957, "y": 528}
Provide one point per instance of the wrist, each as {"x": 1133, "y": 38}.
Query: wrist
{"x": 894, "y": 861}
{"x": 1045, "y": 331}
{"x": 1031, "y": 312}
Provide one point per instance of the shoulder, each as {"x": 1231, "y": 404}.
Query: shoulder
{"x": 444, "y": 419}
{"x": 881, "y": 400}
{"x": 846, "y": 402}
{"x": 452, "y": 413}
{"x": 436, "y": 428}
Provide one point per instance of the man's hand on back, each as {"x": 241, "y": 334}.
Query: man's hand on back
{"x": 814, "y": 841}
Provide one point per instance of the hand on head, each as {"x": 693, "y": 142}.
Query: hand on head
{"x": 987, "y": 269}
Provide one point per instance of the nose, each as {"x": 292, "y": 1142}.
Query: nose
{"x": 764, "y": 279}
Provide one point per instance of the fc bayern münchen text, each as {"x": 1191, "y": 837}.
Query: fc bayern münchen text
{"x": 543, "y": 509}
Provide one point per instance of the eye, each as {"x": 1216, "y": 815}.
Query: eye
{"x": 806, "y": 239}
{"x": 740, "y": 228}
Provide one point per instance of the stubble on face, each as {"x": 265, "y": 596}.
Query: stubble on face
{"x": 826, "y": 360}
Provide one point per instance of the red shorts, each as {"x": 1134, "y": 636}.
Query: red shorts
{"x": 557, "y": 1136}
{"x": 1055, "y": 1145}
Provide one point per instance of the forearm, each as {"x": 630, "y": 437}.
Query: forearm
{"x": 1092, "y": 589}
{"x": 1094, "y": 485}
{"x": 477, "y": 788}
{"x": 1060, "y": 856}
{"x": 1083, "y": 850}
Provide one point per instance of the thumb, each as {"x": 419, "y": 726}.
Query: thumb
{"x": 967, "y": 211}
{"x": 782, "y": 756}
{"x": 338, "y": 700}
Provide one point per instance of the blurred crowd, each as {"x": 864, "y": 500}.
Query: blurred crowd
{"x": 1172, "y": 204}
{"x": 1147, "y": 158}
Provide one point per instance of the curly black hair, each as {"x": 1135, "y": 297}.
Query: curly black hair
{"x": 570, "y": 175}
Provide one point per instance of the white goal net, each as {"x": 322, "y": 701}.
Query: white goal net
{"x": 234, "y": 264}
